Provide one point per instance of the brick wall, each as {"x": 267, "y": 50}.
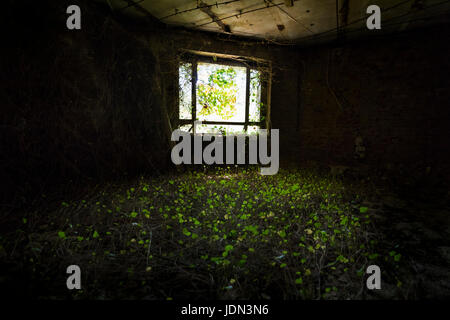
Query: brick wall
{"x": 392, "y": 92}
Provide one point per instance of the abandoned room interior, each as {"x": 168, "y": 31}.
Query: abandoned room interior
{"x": 225, "y": 150}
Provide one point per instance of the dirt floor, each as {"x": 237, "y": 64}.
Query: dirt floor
{"x": 230, "y": 233}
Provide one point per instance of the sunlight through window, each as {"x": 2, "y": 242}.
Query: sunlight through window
{"x": 226, "y": 99}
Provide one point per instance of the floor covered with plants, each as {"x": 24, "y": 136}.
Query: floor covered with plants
{"x": 229, "y": 233}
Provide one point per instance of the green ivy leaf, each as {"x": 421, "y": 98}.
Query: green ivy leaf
{"x": 229, "y": 247}
{"x": 363, "y": 209}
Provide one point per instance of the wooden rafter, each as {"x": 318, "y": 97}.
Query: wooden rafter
{"x": 141, "y": 9}
{"x": 207, "y": 9}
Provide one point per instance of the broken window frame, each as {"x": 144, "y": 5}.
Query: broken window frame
{"x": 250, "y": 65}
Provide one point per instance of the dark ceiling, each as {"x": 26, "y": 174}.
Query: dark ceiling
{"x": 287, "y": 21}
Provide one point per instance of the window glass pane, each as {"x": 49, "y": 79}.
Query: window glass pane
{"x": 185, "y": 83}
{"x": 187, "y": 128}
{"x": 221, "y": 92}
{"x": 253, "y": 129}
{"x": 255, "y": 96}
{"x": 220, "y": 129}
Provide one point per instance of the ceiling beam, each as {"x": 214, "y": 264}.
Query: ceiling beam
{"x": 217, "y": 4}
{"x": 130, "y": 4}
{"x": 207, "y": 9}
{"x": 141, "y": 9}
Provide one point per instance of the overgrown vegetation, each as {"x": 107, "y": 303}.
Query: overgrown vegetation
{"x": 218, "y": 96}
{"x": 204, "y": 234}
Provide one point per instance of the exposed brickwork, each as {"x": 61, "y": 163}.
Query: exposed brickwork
{"x": 393, "y": 93}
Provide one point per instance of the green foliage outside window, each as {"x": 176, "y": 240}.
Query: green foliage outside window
{"x": 219, "y": 95}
